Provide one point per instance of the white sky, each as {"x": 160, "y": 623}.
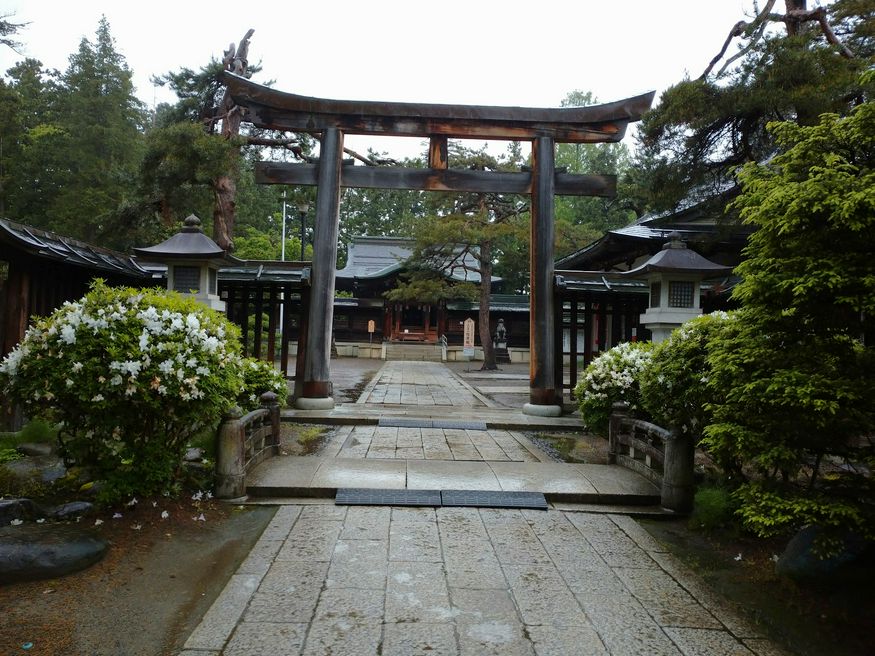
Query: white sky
{"x": 479, "y": 52}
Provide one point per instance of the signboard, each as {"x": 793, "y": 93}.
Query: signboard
{"x": 468, "y": 338}
{"x": 371, "y": 326}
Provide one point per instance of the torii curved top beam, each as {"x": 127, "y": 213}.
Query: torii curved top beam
{"x": 277, "y": 110}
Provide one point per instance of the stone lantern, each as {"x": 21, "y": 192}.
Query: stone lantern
{"x": 192, "y": 260}
{"x": 675, "y": 275}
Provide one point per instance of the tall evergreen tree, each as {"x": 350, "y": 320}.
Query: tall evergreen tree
{"x": 794, "y": 65}
{"x": 103, "y": 122}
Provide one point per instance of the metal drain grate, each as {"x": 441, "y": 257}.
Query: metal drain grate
{"x": 370, "y": 497}
{"x": 451, "y": 498}
{"x": 484, "y": 499}
{"x": 395, "y": 422}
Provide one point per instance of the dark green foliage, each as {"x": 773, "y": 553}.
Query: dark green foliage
{"x": 793, "y": 410}
{"x": 703, "y": 127}
{"x": 713, "y": 508}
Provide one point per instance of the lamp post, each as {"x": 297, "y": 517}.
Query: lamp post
{"x": 283, "y": 240}
{"x": 303, "y": 208}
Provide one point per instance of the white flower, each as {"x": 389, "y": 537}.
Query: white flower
{"x": 137, "y": 527}
{"x": 68, "y": 334}
{"x": 117, "y": 515}
{"x": 77, "y": 366}
{"x": 738, "y": 557}
{"x": 192, "y": 322}
{"x": 40, "y": 520}
{"x": 200, "y": 518}
{"x": 133, "y": 502}
{"x": 69, "y": 383}
{"x": 164, "y": 514}
{"x": 16, "y": 522}
{"x": 116, "y": 380}
{"x": 98, "y": 522}
{"x": 197, "y": 496}
{"x": 97, "y": 398}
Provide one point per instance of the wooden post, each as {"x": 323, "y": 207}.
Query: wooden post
{"x": 542, "y": 344}
{"x": 303, "y": 339}
{"x": 438, "y": 157}
{"x": 271, "y": 324}
{"x": 230, "y": 474}
{"x": 286, "y": 329}
{"x": 316, "y": 393}
{"x": 572, "y": 347}
{"x": 678, "y": 484}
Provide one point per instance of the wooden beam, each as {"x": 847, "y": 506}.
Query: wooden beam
{"x": 271, "y": 109}
{"x": 438, "y": 153}
{"x": 371, "y": 177}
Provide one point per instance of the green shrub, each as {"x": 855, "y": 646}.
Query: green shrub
{"x": 260, "y": 377}
{"x": 37, "y": 430}
{"x": 713, "y": 508}
{"x": 8, "y": 455}
{"x": 130, "y": 375}
{"x": 675, "y": 387}
{"x": 611, "y": 377}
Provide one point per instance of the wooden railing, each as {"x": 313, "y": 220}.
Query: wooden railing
{"x": 243, "y": 442}
{"x": 664, "y": 457}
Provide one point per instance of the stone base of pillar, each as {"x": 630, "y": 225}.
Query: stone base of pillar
{"x": 324, "y": 403}
{"x": 536, "y": 410}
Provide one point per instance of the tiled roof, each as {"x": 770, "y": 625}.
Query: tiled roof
{"x": 52, "y": 246}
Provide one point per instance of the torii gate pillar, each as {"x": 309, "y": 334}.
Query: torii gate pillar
{"x": 316, "y": 392}
{"x": 543, "y": 400}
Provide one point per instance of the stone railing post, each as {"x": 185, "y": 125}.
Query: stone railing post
{"x": 230, "y": 474}
{"x": 270, "y": 402}
{"x": 678, "y": 485}
{"x": 619, "y": 411}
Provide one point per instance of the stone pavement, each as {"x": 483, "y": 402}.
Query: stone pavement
{"x": 326, "y": 579}
{"x": 356, "y": 581}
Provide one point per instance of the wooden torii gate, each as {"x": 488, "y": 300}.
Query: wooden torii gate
{"x": 332, "y": 119}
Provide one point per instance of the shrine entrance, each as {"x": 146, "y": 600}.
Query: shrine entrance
{"x": 270, "y": 109}
{"x": 413, "y": 322}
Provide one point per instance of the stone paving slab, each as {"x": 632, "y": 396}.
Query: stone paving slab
{"x": 401, "y": 581}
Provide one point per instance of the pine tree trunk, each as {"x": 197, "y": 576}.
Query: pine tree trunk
{"x": 224, "y": 211}
{"x": 485, "y": 297}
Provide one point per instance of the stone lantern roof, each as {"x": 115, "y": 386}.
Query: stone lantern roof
{"x": 675, "y": 257}
{"x": 190, "y": 243}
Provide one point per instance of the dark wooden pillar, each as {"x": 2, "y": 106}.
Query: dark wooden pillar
{"x": 572, "y": 345}
{"x": 317, "y": 383}
{"x": 542, "y": 344}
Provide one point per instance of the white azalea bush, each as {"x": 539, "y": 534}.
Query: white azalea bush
{"x": 611, "y": 377}
{"x": 260, "y": 377}
{"x": 130, "y": 375}
{"x": 676, "y": 387}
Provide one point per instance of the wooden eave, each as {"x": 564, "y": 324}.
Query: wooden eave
{"x": 271, "y": 109}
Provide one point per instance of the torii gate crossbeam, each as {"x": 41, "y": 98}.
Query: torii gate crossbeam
{"x": 332, "y": 119}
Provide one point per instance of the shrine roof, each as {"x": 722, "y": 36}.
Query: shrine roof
{"x": 48, "y": 245}
{"x": 370, "y": 258}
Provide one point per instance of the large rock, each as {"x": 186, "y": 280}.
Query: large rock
{"x": 72, "y": 510}
{"x": 35, "y": 448}
{"x": 43, "y": 551}
{"x": 23, "y": 509}
{"x": 45, "y": 469}
{"x": 800, "y": 561}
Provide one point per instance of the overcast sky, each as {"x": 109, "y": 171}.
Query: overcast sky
{"x": 479, "y": 52}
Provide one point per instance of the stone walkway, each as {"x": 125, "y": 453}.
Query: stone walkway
{"x": 438, "y": 444}
{"x": 356, "y": 581}
{"x": 335, "y": 580}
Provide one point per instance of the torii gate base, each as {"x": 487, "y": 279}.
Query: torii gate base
{"x": 271, "y": 109}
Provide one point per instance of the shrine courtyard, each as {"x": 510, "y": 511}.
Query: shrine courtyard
{"x": 576, "y": 578}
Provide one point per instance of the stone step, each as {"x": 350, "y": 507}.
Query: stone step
{"x": 420, "y": 352}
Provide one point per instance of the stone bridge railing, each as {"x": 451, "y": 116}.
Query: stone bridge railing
{"x": 664, "y": 457}
{"x": 243, "y": 442}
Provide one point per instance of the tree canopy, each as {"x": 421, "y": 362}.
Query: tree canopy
{"x": 704, "y": 127}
